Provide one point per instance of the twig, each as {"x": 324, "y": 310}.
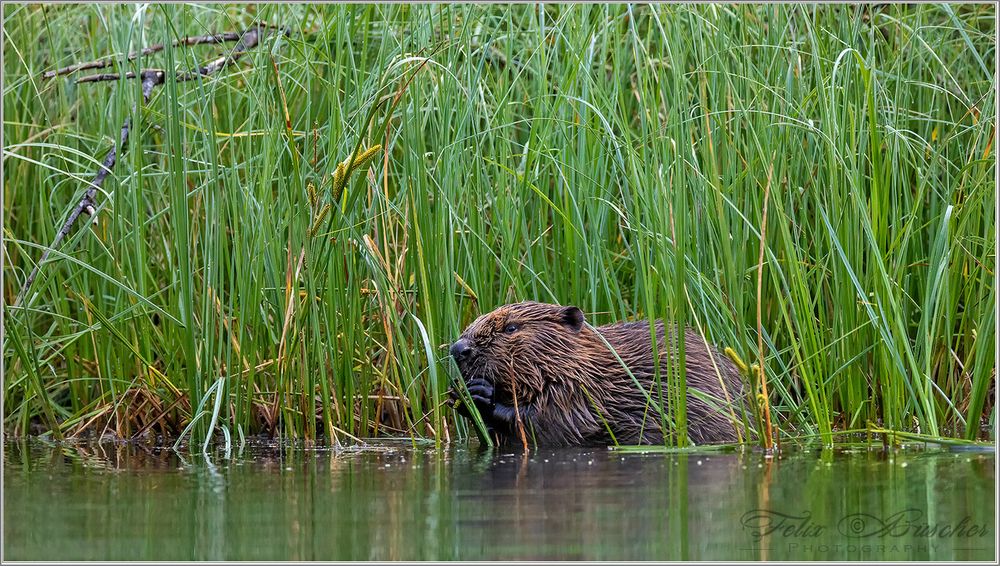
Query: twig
{"x": 100, "y": 64}
{"x": 86, "y": 205}
{"x": 517, "y": 411}
{"x": 112, "y": 76}
{"x": 187, "y": 41}
{"x": 250, "y": 38}
{"x": 151, "y": 78}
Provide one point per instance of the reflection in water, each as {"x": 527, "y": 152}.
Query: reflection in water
{"x": 647, "y": 504}
{"x": 115, "y": 502}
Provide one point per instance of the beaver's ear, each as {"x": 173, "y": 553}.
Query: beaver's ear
{"x": 573, "y": 318}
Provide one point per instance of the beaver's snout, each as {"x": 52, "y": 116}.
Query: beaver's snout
{"x": 461, "y": 350}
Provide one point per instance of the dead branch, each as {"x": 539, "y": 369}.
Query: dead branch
{"x": 250, "y": 39}
{"x": 151, "y": 78}
{"x": 113, "y": 76}
{"x": 223, "y": 37}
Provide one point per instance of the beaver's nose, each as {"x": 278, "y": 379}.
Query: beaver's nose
{"x": 461, "y": 349}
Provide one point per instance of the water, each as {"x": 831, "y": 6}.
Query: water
{"x": 107, "y": 502}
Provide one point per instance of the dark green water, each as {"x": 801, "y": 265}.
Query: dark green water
{"x": 398, "y": 503}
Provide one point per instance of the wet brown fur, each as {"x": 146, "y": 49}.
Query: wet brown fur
{"x": 570, "y": 389}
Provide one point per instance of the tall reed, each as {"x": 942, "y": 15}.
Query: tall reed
{"x": 615, "y": 157}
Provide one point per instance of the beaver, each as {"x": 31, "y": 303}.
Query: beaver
{"x": 537, "y": 373}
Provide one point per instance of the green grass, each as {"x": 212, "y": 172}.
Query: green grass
{"x": 612, "y": 157}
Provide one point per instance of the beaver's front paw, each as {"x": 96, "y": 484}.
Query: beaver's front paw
{"x": 482, "y": 395}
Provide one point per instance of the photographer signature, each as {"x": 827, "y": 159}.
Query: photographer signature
{"x": 906, "y": 523}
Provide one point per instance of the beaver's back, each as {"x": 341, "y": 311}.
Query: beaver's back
{"x": 716, "y": 379}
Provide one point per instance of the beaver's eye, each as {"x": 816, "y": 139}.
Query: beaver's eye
{"x": 511, "y": 328}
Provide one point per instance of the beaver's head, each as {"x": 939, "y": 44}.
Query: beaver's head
{"x": 518, "y": 338}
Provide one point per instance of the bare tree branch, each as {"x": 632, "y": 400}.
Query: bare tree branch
{"x": 188, "y": 41}
{"x": 100, "y": 77}
{"x": 249, "y": 40}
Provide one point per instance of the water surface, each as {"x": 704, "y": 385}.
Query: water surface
{"x": 397, "y": 502}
